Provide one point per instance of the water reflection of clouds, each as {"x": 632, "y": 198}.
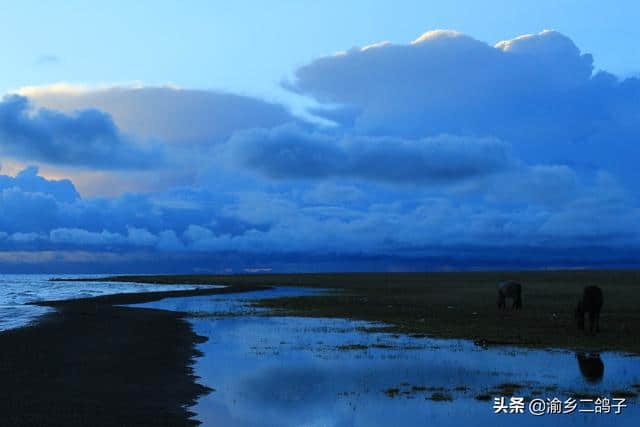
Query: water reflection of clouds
{"x": 277, "y": 371}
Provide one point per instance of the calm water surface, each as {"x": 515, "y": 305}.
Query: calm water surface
{"x": 288, "y": 371}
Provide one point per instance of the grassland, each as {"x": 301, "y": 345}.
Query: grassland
{"x": 460, "y": 305}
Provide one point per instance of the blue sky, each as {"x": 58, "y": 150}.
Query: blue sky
{"x": 246, "y": 47}
{"x": 211, "y": 136}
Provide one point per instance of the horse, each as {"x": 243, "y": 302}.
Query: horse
{"x": 510, "y": 289}
{"x": 591, "y": 366}
{"x": 591, "y": 302}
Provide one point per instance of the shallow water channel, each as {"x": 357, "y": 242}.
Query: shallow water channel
{"x": 291, "y": 371}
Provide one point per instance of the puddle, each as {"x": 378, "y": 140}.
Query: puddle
{"x": 290, "y": 371}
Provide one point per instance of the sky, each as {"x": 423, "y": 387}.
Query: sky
{"x": 318, "y": 136}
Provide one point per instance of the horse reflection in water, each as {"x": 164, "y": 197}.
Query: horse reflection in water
{"x": 591, "y": 366}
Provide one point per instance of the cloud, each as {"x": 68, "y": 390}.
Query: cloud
{"x": 173, "y": 115}
{"x": 285, "y": 225}
{"x": 168, "y": 242}
{"x": 55, "y": 258}
{"x": 22, "y": 211}
{"x": 535, "y": 89}
{"x": 332, "y": 193}
{"x": 86, "y": 138}
{"x": 290, "y": 152}
{"x": 134, "y": 237}
{"x": 549, "y": 185}
{"x": 29, "y": 181}
{"x": 184, "y": 124}
{"x": 25, "y": 237}
{"x": 446, "y": 82}
{"x": 83, "y": 237}
{"x": 445, "y": 151}
{"x": 537, "y": 92}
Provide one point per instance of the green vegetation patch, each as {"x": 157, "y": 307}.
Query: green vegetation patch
{"x": 352, "y": 347}
{"x": 440, "y": 397}
{"x": 392, "y": 392}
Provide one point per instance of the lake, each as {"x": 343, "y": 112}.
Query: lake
{"x": 17, "y": 290}
{"x": 294, "y": 371}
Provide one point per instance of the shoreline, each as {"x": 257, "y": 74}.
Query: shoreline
{"x": 91, "y": 362}
{"x": 458, "y": 305}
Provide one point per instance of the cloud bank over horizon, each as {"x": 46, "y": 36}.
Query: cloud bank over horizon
{"x": 445, "y": 152}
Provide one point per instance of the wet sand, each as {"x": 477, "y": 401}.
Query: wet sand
{"x": 92, "y": 363}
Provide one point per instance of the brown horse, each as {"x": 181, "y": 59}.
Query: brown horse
{"x": 510, "y": 289}
{"x": 591, "y": 302}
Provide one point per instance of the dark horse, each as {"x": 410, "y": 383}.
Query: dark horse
{"x": 591, "y": 366}
{"x": 591, "y": 302}
{"x": 510, "y": 289}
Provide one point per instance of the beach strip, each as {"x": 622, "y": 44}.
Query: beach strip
{"x": 92, "y": 362}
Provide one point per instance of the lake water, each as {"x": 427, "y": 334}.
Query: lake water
{"x": 291, "y": 371}
{"x": 16, "y": 290}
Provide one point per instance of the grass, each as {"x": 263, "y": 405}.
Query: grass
{"x": 392, "y": 392}
{"x": 507, "y": 389}
{"x": 352, "y": 347}
{"x": 483, "y": 397}
{"x": 409, "y": 391}
{"x": 459, "y": 305}
{"x": 440, "y": 397}
{"x": 425, "y": 388}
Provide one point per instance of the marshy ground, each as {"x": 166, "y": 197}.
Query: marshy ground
{"x": 297, "y": 370}
{"x": 365, "y": 345}
{"x": 459, "y": 305}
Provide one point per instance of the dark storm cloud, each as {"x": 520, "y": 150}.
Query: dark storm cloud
{"x": 295, "y": 224}
{"x": 86, "y": 138}
{"x": 291, "y": 152}
{"x": 168, "y": 114}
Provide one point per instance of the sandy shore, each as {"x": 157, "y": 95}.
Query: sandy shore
{"x": 91, "y": 363}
